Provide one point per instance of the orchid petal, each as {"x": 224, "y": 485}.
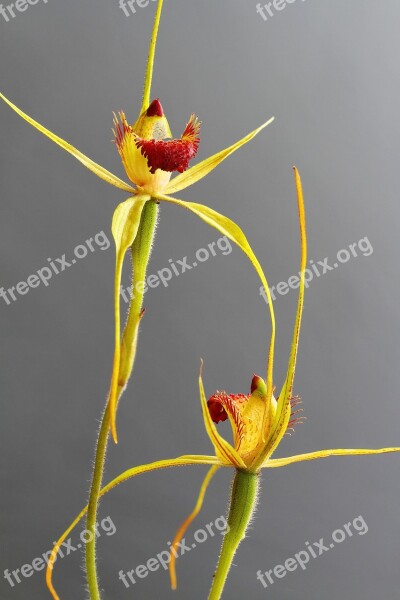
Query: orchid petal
{"x": 87, "y": 162}
{"x": 234, "y": 233}
{"x": 125, "y": 226}
{"x": 284, "y": 396}
{"x": 282, "y": 414}
{"x": 181, "y": 531}
{"x": 150, "y": 59}
{"x": 161, "y": 464}
{"x": 141, "y": 249}
{"x": 223, "y": 449}
{"x": 203, "y": 168}
{"x": 283, "y": 462}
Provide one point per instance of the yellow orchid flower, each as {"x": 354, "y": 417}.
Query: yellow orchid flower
{"x": 149, "y": 156}
{"x": 259, "y": 421}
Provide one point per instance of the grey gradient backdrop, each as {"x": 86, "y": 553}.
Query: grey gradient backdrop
{"x": 329, "y": 73}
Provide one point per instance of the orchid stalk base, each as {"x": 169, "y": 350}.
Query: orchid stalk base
{"x": 242, "y": 506}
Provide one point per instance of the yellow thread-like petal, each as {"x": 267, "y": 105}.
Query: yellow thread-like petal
{"x": 234, "y": 233}
{"x": 53, "y": 555}
{"x": 282, "y": 414}
{"x": 283, "y": 462}
{"x": 202, "y": 169}
{"x": 181, "y": 531}
{"x": 125, "y": 225}
{"x": 224, "y": 450}
{"x": 150, "y": 59}
{"x": 87, "y": 162}
{"x": 182, "y": 461}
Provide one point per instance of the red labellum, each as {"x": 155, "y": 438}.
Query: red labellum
{"x": 221, "y": 403}
{"x": 172, "y": 155}
{"x": 216, "y": 408}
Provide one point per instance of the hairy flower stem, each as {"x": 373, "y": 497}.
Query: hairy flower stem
{"x": 242, "y": 505}
{"x": 141, "y": 250}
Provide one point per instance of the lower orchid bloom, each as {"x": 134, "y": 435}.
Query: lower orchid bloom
{"x": 259, "y": 421}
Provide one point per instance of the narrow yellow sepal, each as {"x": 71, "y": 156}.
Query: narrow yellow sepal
{"x": 282, "y": 414}
{"x": 223, "y": 449}
{"x": 125, "y": 226}
{"x": 87, "y": 162}
{"x": 203, "y": 168}
{"x": 283, "y": 462}
{"x": 182, "y": 529}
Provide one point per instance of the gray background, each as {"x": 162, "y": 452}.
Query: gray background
{"x": 329, "y": 73}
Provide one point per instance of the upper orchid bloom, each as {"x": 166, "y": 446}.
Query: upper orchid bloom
{"x": 147, "y": 152}
{"x": 150, "y": 155}
{"x": 259, "y": 421}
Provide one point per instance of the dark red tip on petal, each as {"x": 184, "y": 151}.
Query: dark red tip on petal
{"x": 258, "y": 385}
{"x": 155, "y": 109}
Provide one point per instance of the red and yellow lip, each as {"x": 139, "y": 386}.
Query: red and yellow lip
{"x": 148, "y": 153}
{"x": 246, "y": 416}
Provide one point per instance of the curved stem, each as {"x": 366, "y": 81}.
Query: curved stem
{"x": 141, "y": 250}
{"x": 242, "y": 506}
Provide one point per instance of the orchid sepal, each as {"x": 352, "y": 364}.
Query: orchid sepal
{"x": 283, "y": 410}
{"x": 202, "y": 169}
{"x": 125, "y": 225}
{"x": 283, "y": 462}
{"x": 86, "y": 161}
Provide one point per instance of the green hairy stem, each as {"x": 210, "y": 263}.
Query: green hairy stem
{"x": 141, "y": 250}
{"x": 242, "y": 505}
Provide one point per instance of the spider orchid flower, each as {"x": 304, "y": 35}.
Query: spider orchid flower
{"x": 149, "y": 156}
{"x": 259, "y": 421}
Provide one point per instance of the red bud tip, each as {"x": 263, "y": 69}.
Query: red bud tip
{"x": 258, "y": 384}
{"x": 155, "y": 109}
